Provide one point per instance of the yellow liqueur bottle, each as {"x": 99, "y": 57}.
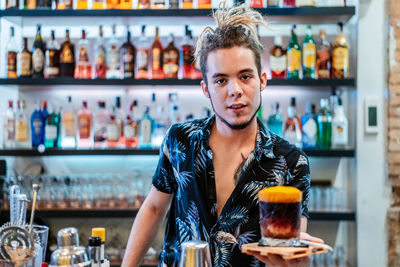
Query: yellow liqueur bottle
{"x": 340, "y": 55}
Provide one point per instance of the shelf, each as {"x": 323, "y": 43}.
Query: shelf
{"x": 133, "y": 151}
{"x": 131, "y": 213}
{"x": 168, "y": 82}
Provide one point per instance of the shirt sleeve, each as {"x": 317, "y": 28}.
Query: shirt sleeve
{"x": 163, "y": 178}
{"x": 300, "y": 177}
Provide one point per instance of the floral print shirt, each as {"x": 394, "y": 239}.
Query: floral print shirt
{"x": 185, "y": 169}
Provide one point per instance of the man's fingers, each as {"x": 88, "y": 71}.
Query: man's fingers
{"x": 307, "y": 237}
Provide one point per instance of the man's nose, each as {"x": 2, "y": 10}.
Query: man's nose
{"x": 235, "y": 89}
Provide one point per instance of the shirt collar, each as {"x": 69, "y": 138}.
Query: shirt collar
{"x": 264, "y": 144}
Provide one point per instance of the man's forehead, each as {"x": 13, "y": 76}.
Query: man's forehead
{"x": 233, "y": 59}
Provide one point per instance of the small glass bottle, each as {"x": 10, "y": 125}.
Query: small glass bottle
{"x": 309, "y": 55}
{"x": 293, "y": 56}
{"x": 187, "y": 56}
{"x": 309, "y": 128}
{"x": 12, "y": 55}
{"x": 67, "y": 57}
{"x": 156, "y": 58}
{"x": 100, "y": 56}
{"x": 292, "y": 128}
{"x": 340, "y": 55}
{"x": 274, "y": 121}
{"x": 52, "y": 129}
{"x": 83, "y": 69}
{"x": 323, "y": 66}
{"x": 9, "y": 126}
{"x": 128, "y": 54}
{"x": 171, "y": 59}
{"x": 68, "y": 129}
{"x": 131, "y": 127}
{"x": 52, "y": 65}
{"x": 340, "y": 127}
{"x": 101, "y": 118}
{"x": 24, "y": 61}
{"x": 324, "y": 118}
{"x": 85, "y": 122}
{"x": 113, "y": 61}
{"x": 21, "y": 126}
{"x": 146, "y": 129}
{"x": 142, "y": 56}
{"x": 38, "y": 59}
{"x": 113, "y": 130}
{"x": 277, "y": 59}
{"x": 37, "y": 127}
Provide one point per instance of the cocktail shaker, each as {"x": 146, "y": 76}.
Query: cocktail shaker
{"x": 195, "y": 253}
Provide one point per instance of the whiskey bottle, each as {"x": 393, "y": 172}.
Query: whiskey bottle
{"x": 83, "y": 69}
{"x": 67, "y": 57}
{"x": 142, "y": 57}
{"x": 187, "y": 56}
{"x": 277, "y": 59}
{"x": 309, "y": 55}
{"x": 38, "y": 60}
{"x": 293, "y": 56}
{"x": 156, "y": 58}
{"x": 52, "y": 65}
{"x": 323, "y": 66}
{"x": 24, "y": 61}
{"x": 171, "y": 59}
{"x": 100, "y": 56}
{"x": 128, "y": 53}
{"x": 340, "y": 55}
{"x": 12, "y": 55}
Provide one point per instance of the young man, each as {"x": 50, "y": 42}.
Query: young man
{"x": 211, "y": 169}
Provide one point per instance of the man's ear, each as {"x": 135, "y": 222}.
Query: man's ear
{"x": 205, "y": 89}
{"x": 263, "y": 79}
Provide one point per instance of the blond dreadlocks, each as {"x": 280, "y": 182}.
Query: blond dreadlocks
{"x": 235, "y": 27}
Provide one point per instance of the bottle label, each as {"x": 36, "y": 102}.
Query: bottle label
{"x": 12, "y": 3}
{"x": 142, "y": 59}
{"x": 66, "y": 55}
{"x": 31, "y": 4}
{"x": 68, "y": 123}
{"x": 21, "y": 131}
{"x": 277, "y": 64}
{"x": 339, "y": 136}
{"x": 38, "y": 60}
{"x": 112, "y": 132}
{"x": 340, "y": 58}
{"x": 113, "y": 59}
{"x": 323, "y": 64}
{"x": 156, "y": 59}
{"x": 83, "y": 55}
{"x": 129, "y": 132}
{"x": 101, "y": 56}
{"x": 145, "y": 131}
{"x": 310, "y": 132}
{"x": 12, "y": 64}
{"x": 188, "y": 58}
{"x": 129, "y": 63}
{"x": 293, "y": 59}
{"x": 10, "y": 130}
{"x": 25, "y": 64}
{"x": 50, "y": 132}
{"x": 84, "y": 128}
{"x": 37, "y": 126}
{"x": 171, "y": 64}
{"x": 309, "y": 55}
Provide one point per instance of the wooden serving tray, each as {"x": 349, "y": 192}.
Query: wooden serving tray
{"x": 287, "y": 253}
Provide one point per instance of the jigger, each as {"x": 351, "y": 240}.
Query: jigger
{"x": 195, "y": 253}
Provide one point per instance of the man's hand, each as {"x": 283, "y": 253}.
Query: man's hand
{"x": 276, "y": 260}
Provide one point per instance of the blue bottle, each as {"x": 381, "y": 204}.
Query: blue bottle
{"x": 309, "y": 129}
{"x": 37, "y": 127}
{"x": 274, "y": 121}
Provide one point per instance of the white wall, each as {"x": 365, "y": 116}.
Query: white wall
{"x": 372, "y": 186}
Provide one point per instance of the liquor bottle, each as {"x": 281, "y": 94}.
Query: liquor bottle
{"x": 187, "y": 56}
{"x": 340, "y": 55}
{"x": 65, "y": 4}
{"x": 113, "y": 130}
{"x": 143, "y": 4}
{"x": 21, "y": 126}
{"x": 113, "y": 62}
{"x": 146, "y": 129}
{"x": 52, "y": 129}
{"x": 128, "y": 54}
{"x": 277, "y": 59}
{"x": 340, "y": 127}
{"x": 9, "y": 126}
{"x": 83, "y": 69}
{"x": 44, "y": 4}
{"x": 29, "y": 4}
{"x": 101, "y": 117}
{"x": 99, "y": 4}
{"x": 274, "y": 121}
{"x": 100, "y": 56}
{"x": 204, "y": 4}
{"x": 142, "y": 56}
{"x": 156, "y": 58}
{"x": 85, "y": 120}
{"x": 24, "y": 61}
{"x": 323, "y": 66}
{"x": 186, "y": 4}
{"x": 157, "y": 4}
{"x": 173, "y": 4}
{"x": 256, "y": 4}
{"x": 81, "y": 4}
{"x": 309, "y": 55}
{"x": 131, "y": 127}
{"x": 68, "y": 131}
{"x": 113, "y": 4}
{"x": 126, "y": 4}
{"x": 273, "y": 3}
{"x": 324, "y": 119}
{"x": 38, "y": 60}
{"x": 37, "y": 127}
{"x": 293, "y": 56}
{"x": 119, "y": 117}
{"x": 292, "y": 128}
{"x": 52, "y": 66}
{"x": 305, "y": 2}
{"x": 67, "y": 57}
{"x": 12, "y": 4}
{"x": 171, "y": 59}
{"x": 289, "y": 3}
{"x": 309, "y": 126}
{"x": 12, "y": 56}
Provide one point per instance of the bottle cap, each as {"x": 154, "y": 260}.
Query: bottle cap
{"x": 94, "y": 241}
{"x": 100, "y": 232}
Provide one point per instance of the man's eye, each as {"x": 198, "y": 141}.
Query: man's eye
{"x": 220, "y": 81}
{"x": 245, "y": 77}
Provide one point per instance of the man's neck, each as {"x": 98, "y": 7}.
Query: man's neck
{"x": 224, "y": 135}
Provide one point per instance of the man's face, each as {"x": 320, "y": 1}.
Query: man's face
{"x": 234, "y": 86}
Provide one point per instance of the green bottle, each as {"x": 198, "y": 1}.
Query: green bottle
{"x": 52, "y": 130}
{"x": 324, "y": 133}
{"x": 309, "y": 55}
{"x": 293, "y": 56}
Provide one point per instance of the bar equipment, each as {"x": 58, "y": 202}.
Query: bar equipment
{"x": 195, "y": 253}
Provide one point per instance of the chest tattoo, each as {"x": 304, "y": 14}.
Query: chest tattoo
{"x": 239, "y": 169}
